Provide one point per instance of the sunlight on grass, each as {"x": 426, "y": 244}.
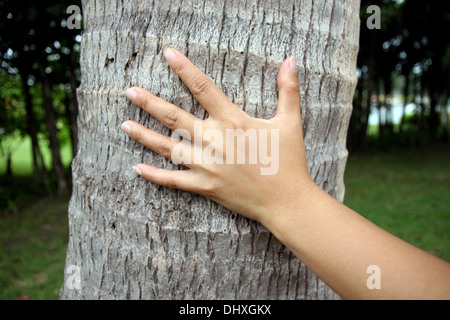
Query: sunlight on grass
{"x": 22, "y": 162}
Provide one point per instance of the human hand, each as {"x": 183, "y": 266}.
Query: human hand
{"x": 254, "y": 189}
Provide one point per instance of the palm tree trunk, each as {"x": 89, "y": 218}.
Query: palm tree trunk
{"x": 134, "y": 240}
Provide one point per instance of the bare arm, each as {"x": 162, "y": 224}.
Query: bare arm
{"x": 339, "y": 245}
{"x": 335, "y": 242}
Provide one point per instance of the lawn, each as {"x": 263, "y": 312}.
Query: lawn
{"x": 22, "y": 162}
{"x": 406, "y": 193}
{"x": 33, "y": 244}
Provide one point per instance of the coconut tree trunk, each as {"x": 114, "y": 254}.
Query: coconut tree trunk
{"x": 131, "y": 239}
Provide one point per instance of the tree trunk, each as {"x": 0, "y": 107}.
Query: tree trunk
{"x": 355, "y": 127}
{"x": 74, "y": 103}
{"x": 134, "y": 240}
{"x": 405, "y": 100}
{"x": 371, "y": 82}
{"x": 31, "y": 126}
{"x": 50, "y": 120}
{"x": 9, "y": 164}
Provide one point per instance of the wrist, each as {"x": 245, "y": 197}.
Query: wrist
{"x": 292, "y": 209}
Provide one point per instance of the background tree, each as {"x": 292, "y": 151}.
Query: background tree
{"x": 36, "y": 48}
{"x": 407, "y": 57}
{"x": 132, "y": 239}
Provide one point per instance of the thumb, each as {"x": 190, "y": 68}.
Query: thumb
{"x": 288, "y": 89}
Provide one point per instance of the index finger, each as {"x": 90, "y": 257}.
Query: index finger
{"x": 201, "y": 86}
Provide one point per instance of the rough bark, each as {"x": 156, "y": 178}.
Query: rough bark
{"x": 135, "y": 240}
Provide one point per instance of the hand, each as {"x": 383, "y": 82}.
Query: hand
{"x": 331, "y": 239}
{"x": 255, "y": 189}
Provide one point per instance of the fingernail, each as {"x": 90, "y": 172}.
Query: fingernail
{"x": 131, "y": 94}
{"x": 126, "y": 128}
{"x": 293, "y": 64}
{"x": 137, "y": 170}
{"x": 169, "y": 55}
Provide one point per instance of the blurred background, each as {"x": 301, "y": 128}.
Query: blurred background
{"x": 397, "y": 173}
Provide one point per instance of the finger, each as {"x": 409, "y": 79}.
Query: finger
{"x": 288, "y": 89}
{"x": 170, "y": 115}
{"x": 167, "y": 147}
{"x": 201, "y": 86}
{"x": 176, "y": 179}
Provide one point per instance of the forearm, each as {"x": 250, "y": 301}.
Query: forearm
{"x": 335, "y": 242}
{"x": 339, "y": 245}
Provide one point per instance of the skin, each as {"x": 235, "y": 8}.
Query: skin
{"x": 335, "y": 242}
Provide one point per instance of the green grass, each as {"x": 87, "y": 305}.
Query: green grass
{"x": 33, "y": 245}
{"x": 405, "y": 193}
{"x": 22, "y": 162}
{"x": 33, "y": 227}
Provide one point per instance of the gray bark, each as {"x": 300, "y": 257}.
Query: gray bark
{"x": 135, "y": 240}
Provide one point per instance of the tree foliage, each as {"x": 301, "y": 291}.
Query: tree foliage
{"x": 39, "y": 73}
{"x": 409, "y": 55}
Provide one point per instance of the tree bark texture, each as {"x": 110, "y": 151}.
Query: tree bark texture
{"x": 135, "y": 240}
